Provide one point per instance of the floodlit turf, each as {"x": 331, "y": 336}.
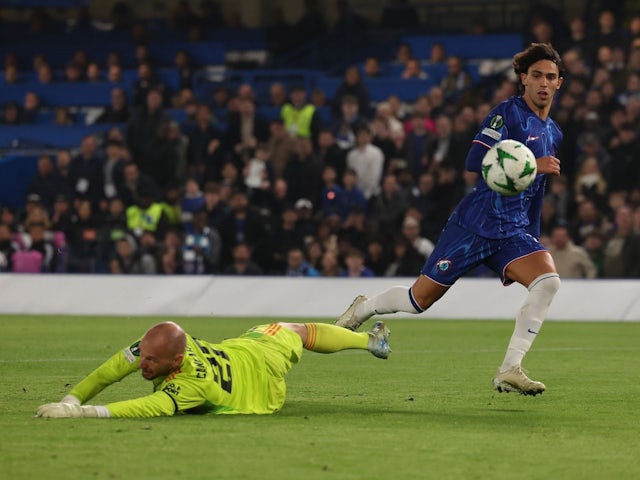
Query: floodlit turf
{"x": 426, "y": 413}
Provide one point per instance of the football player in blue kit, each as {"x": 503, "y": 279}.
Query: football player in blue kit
{"x": 501, "y": 232}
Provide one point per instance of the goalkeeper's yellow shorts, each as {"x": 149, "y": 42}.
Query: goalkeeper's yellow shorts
{"x": 282, "y": 349}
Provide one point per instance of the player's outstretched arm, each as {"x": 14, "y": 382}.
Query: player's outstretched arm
{"x": 155, "y": 405}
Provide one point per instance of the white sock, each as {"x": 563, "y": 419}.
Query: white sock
{"x": 530, "y": 317}
{"x": 396, "y": 299}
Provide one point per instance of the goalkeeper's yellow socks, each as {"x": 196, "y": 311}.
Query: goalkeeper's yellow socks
{"x": 327, "y": 338}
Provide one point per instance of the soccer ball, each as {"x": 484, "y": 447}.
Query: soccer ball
{"x": 509, "y": 167}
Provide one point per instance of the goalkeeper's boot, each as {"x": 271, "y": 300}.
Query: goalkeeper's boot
{"x": 515, "y": 380}
{"x": 349, "y": 319}
{"x": 379, "y": 340}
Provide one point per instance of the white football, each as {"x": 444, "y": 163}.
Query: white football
{"x": 509, "y": 167}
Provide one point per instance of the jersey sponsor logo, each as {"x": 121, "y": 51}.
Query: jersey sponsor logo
{"x": 496, "y": 122}
{"x": 443, "y": 264}
{"x": 132, "y": 352}
{"x": 492, "y": 133}
{"x": 172, "y": 389}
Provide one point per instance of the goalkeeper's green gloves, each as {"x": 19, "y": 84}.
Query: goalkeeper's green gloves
{"x": 71, "y": 410}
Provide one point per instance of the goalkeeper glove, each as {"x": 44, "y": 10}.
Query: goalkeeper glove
{"x": 70, "y": 410}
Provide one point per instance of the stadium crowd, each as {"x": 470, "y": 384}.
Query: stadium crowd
{"x": 362, "y": 193}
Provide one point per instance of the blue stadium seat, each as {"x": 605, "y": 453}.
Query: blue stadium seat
{"x": 62, "y": 94}
{"x": 502, "y": 45}
{"x": 49, "y": 136}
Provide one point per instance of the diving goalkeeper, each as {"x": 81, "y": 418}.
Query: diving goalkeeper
{"x": 236, "y": 376}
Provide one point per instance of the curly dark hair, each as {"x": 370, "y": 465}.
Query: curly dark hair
{"x": 534, "y": 53}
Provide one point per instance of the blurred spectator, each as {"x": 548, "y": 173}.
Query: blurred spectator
{"x": 74, "y": 72}
{"x": 11, "y": 114}
{"x": 297, "y": 265}
{"x": 446, "y": 147}
{"x": 377, "y": 258}
{"x": 11, "y": 76}
{"x": 332, "y": 195}
{"x": 62, "y": 116}
{"x": 457, "y": 83}
{"x": 243, "y": 224}
{"x": 411, "y": 231}
{"x": 594, "y": 245}
{"x": 214, "y": 205}
{"x": 93, "y": 74}
{"x": 242, "y": 263}
{"x": 437, "y": 54}
{"x": 330, "y": 265}
{"x": 622, "y": 251}
{"x": 202, "y": 246}
{"x": 246, "y": 128}
{"x": 318, "y": 98}
{"x": 192, "y": 200}
{"x": 371, "y": 68}
{"x": 403, "y": 53}
{"x": 415, "y": 145}
{"x": 144, "y": 84}
{"x": 144, "y": 124}
{"x": 83, "y": 238}
{"x": 355, "y": 262}
{"x": 406, "y": 262}
{"x": 412, "y": 70}
{"x": 367, "y": 161}
{"x": 572, "y": 261}
{"x": 114, "y": 74}
{"x": 387, "y": 208}
{"x": 7, "y": 248}
{"x": 146, "y": 214}
{"x": 286, "y": 237}
{"x": 257, "y": 170}
{"x": 61, "y": 214}
{"x": 330, "y": 153}
{"x": 41, "y": 241}
{"x": 86, "y": 171}
{"x": 346, "y": 124}
{"x": 165, "y": 156}
{"x": 625, "y": 151}
{"x": 355, "y": 200}
{"x": 300, "y": 117}
{"x": 281, "y": 145}
{"x": 590, "y": 184}
{"x": 303, "y": 173}
{"x": 353, "y": 86}
{"x": 31, "y": 107}
{"x": 277, "y": 94}
{"x": 118, "y": 109}
{"x": 184, "y": 65}
{"x": 127, "y": 259}
{"x": 45, "y": 184}
{"x": 204, "y": 145}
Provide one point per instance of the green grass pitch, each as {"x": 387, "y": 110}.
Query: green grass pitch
{"x": 427, "y": 412}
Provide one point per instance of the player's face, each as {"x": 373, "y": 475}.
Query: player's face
{"x": 541, "y": 82}
{"x": 154, "y": 361}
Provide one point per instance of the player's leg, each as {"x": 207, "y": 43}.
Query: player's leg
{"x": 326, "y": 338}
{"x": 536, "y": 271}
{"x": 415, "y": 299}
{"x": 457, "y": 252}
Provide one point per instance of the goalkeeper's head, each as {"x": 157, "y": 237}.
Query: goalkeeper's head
{"x": 162, "y": 350}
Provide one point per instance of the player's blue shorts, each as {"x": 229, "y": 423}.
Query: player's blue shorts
{"x": 458, "y": 251}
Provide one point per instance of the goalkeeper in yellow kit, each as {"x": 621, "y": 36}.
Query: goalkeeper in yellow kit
{"x": 189, "y": 375}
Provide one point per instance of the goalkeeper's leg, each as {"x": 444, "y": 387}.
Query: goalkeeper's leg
{"x": 327, "y": 338}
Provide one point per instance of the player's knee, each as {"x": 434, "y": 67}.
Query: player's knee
{"x": 547, "y": 284}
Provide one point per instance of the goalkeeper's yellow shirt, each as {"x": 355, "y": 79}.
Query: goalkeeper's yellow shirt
{"x": 239, "y": 375}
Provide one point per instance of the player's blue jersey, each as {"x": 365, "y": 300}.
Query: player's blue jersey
{"x": 490, "y": 214}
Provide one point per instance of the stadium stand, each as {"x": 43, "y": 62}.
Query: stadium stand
{"x": 237, "y": 148}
